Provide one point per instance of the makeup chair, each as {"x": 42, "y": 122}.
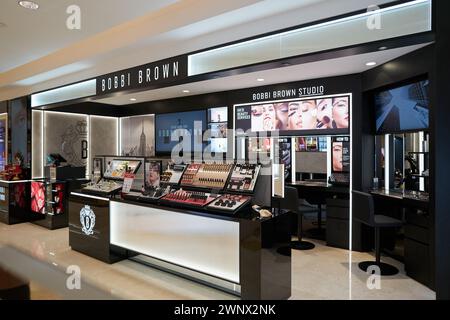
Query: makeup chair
{"x": 291, "y": 202}
{"x": 364, "y": 212}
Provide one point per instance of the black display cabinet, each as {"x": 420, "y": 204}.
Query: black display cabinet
{"x": 14, "y": 202}
{"x": 49, "y": 202}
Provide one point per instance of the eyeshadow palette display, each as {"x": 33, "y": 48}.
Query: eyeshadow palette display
{"x": 173, "y": 174}
{"x": 227, "y": 188}
{"x": 194, "y": 199}
{"x": 154, "y": 194}
{"x": 230, "y": 203}
{"x": 243, "y": 178}
{"x": 211, "y": 176}
{"x": 104, "y": 188}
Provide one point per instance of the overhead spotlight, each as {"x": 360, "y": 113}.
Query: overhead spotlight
{"x": 133, "y": 99}
{"x": 186, "y": 91}
{"x": 29, "y": 5}
{"x": 260, "y": 80}
{"x": 371, "y": 64}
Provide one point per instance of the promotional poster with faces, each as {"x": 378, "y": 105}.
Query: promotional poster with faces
{"x": 341, "y": 154}
{"x": 327, "y": 115}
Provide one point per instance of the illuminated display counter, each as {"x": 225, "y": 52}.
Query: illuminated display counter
{"x": 208, "y": 235}
{"x": 236, "y": 253}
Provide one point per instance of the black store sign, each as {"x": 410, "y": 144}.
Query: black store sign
{"x": 153, "y": 75}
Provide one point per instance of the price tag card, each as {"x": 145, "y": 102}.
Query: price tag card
{"x": 127, "y": 182}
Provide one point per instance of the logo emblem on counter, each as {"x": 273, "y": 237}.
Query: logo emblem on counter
{"x": 87, "y": 219}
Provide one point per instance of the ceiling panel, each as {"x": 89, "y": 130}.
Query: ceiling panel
{"x": 29, "y": 35}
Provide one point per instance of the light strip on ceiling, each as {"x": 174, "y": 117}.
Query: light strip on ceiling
{"x": 74, "y": 91}
{"x": 395, "y": 21}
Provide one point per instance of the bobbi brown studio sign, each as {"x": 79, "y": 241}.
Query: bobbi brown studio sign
{"x": 289, "y": 93}
{"x": 148, "y": 76}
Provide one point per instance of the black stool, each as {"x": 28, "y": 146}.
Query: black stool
{"x": 318, "y": 233}
{"x": 291, "y": 202}
{"x": 364, "y": 212}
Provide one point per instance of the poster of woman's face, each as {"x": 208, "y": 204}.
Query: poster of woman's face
{"x": 153, "y": 174}
{"x": 337, "y": 157}
{"x": 340, "y": 113}
{"x": 312, "y": 114}
{"x": 325, "y": 113}
{"x": 270, "y": 117}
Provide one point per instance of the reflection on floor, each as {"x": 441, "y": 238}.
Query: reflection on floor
{"x": 322, "y": 273}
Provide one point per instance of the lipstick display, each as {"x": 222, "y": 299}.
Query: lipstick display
{"x": 189, "y": 198}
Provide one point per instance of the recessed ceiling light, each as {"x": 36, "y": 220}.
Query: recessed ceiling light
{"x": 260, "y": 80}
{"x": 186, "y": 91}
{"x": 382, "y": 48}
{"x": 371, "y": 64}
{"x": 133, "y": 99}
{"x": 29, "y": 5}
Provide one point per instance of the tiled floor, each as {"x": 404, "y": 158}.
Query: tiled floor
{"x": 322, "y": 273}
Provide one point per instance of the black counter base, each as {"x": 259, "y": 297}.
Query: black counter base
{"x": 92, "y": 239}
{"x": 53, "y": 222}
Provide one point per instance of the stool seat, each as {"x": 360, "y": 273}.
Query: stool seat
{"x": 385, "y": 221}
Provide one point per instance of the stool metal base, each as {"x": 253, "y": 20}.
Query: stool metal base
{"x": 385, "y": 269}
{"x": 295, "y": 245}
{"x": 302, "y": 245}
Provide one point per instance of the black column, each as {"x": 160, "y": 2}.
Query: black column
{"x": 19, "y": 132}
{"x": 440, "y": 152}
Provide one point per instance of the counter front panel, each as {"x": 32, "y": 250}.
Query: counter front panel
{"x": 89, "y": 226}
{"x": 210, "y": 246}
